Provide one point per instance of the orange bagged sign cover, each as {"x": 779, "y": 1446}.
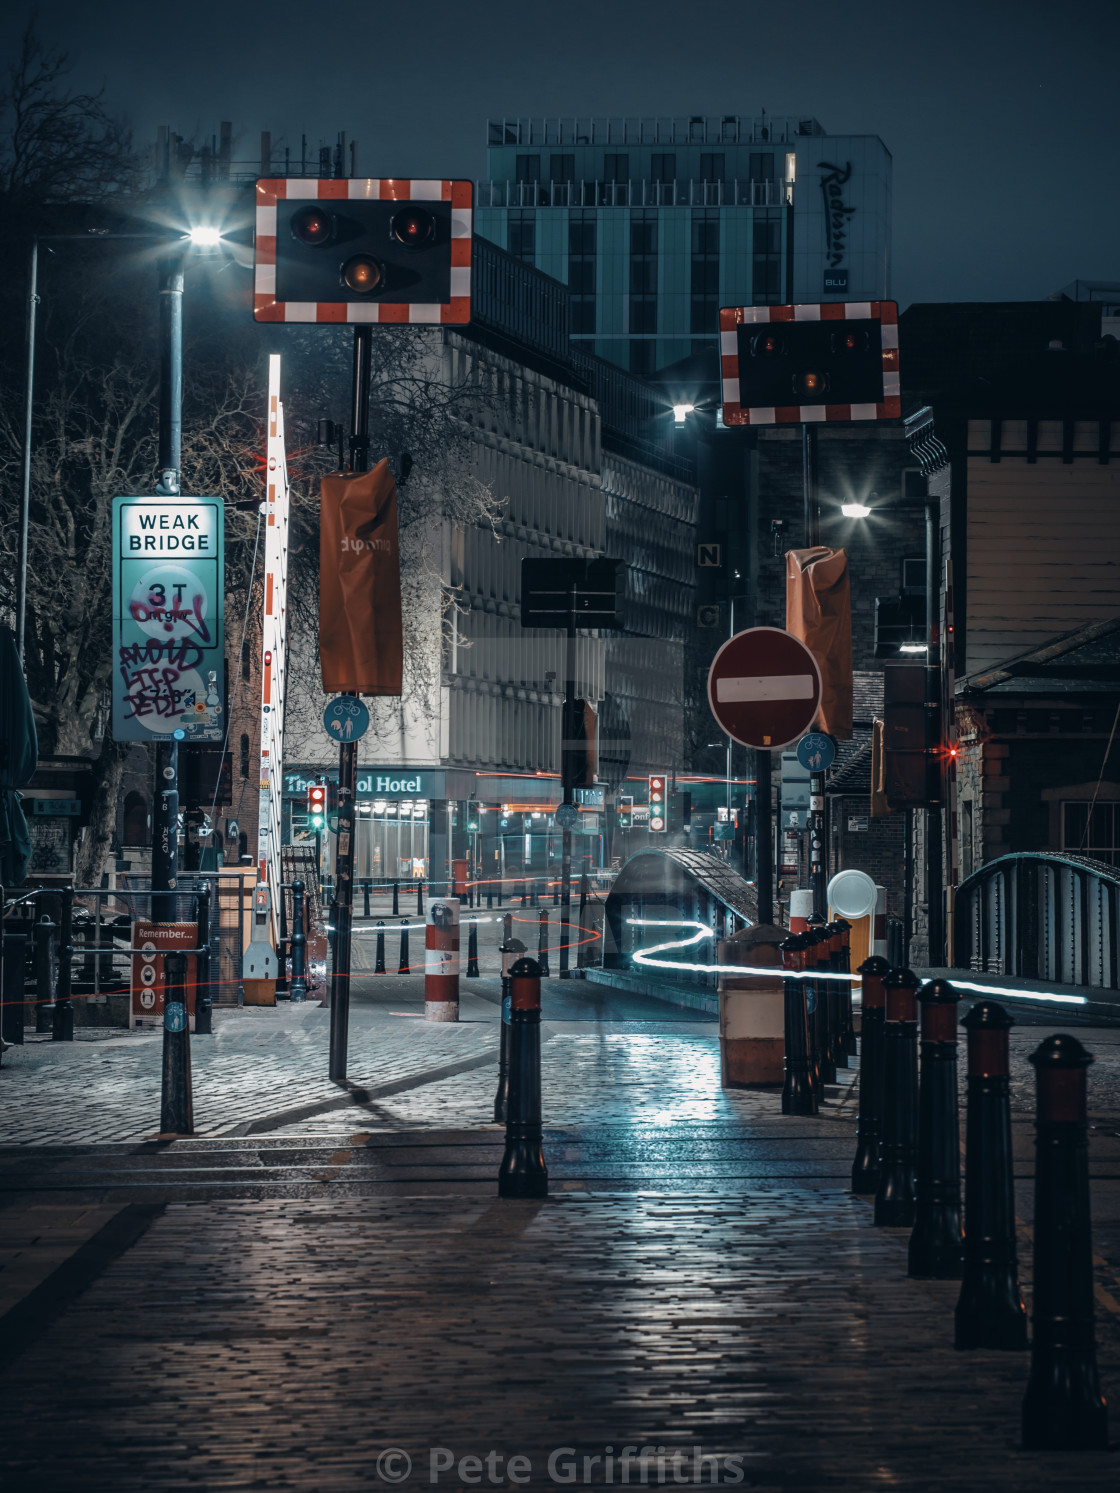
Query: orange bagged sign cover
{"x": 360, "y": 634}
{"x": 819, "y": 612}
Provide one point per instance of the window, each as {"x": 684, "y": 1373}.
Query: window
{"x": 711, "y": 165}
{"x": 766, "y": 264}
{"x": 523, "y": 235}
{"x": 642, "y": 356}
{"x": 562, "y": 168}
{"x": 704, "y": 271}
{"x": 528, "y": 168}
{"x": 1103, "y": 840}
{"x": 643, "y": 279}
{"x": 616, "y": 168}
{"x": 581, "y": 269}
{"x": 244, "y": 755}
{"x": 663, "y": 167}
{"x": 762, "y": 165}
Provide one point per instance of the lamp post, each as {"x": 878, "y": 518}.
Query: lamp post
{"x": 932, "y": 650}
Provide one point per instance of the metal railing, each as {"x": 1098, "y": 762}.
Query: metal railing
{"x": 1040, "y": 915}
{"x": 733, "y": 193}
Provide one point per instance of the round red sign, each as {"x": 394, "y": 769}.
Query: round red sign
{"x": 764, "y": 687}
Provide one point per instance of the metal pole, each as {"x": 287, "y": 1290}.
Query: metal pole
{"x": 764, "y": 838}
{"x": 342, "y": 909}
{"x": 567, "y": 769}
{"x": 25, "y": 494}
{"x": 933, "y": 708}
{"x": 810, "y": 509}
{"x": 165, "y": 807}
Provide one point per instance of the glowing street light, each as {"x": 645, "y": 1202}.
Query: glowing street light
{"x": 681, "y": 413}
{"x": 855, "y": 510}
{"x": 203, "y": 237}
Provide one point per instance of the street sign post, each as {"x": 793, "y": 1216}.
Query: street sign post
{"x": 764, "y": 688}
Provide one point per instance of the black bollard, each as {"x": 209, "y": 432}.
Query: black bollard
{"x": 1063, "y": 1409}
{"x": 489, "y": 897}
{"x": 419, "y": 899}
{"x": 472, "y": 950}
{"x": 936, "y": 1246}
{"x": 379, "y": 955}
{"x": 298, "y": 945}
{"x": 366, "y": 886}
{"x": 45, "y": 931}
{"x": 837, "y": 993}
{"x": 798, "y": 1095}
{"x": 176, "y": 1110}
{"x": 847, "y": 1024}
{"x": 203, "y": 992}
{"x": 396, "y": 899}
{"x": 507, "y": 927}
{"x": 510, "y": 951}
{"x": 865, "y": 1168}
{"x": 898, "y": 1144}
{"x": 534, "y": 897}
{"x": 990, "y": 1311}
{"x": 523, "y": 1173}
{"x": 403, "y": 968}
{"x": 817, "y": 951}
{"x": 542, "y": 942}
{"x": 62, "y": 1023}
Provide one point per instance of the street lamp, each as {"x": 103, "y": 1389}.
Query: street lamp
{"x": 855, "y": 510}
{"x": 681, "y": 413}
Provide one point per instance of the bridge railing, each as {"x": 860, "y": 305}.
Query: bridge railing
{"x": 1040, "y": 915}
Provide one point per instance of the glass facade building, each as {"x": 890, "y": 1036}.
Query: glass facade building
{"x": 653, "y": 224}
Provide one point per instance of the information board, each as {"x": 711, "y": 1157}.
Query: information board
{"x": 168, "y": 605}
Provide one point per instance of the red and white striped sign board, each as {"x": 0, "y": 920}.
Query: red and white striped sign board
{"x": 811, "y": 327}
{"x": 452, "y": 198}
{"x": 764, "y": 687}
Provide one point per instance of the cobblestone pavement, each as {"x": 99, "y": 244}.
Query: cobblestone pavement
{"x": 304, "y": 1307}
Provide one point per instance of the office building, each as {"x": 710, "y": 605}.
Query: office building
{"x": 653, "y": 224}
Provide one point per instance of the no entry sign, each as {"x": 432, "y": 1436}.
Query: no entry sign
{"x": 764, "y": 687}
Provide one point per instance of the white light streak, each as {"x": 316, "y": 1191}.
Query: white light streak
{"x": 1010, "y": 993}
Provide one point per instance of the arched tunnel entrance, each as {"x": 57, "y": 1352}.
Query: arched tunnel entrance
{"x": 689, "y": 885}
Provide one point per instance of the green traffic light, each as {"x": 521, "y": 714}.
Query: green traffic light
{"x": 317, "y": 820}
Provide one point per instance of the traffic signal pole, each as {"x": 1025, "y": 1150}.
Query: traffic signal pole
{"x": 165, "y": 799}
{"x": 817, "y": 821}
{"x": 567, "y": 772}
{"x": 342, "y": 906}
{"x": 934, "y": 893}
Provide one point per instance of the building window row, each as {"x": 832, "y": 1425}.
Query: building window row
{"x": 581, "y": 269}
{"x": 704, "y": 288}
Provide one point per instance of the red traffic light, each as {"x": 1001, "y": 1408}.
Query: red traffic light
{"x": 414, "y": 227}
{"x": 312, "y": 225}
{"x": 851, "y": 340}
{"x": 768, "y": 345}
{"x": 363, "y": 274}
{"x": 810, "y": 385}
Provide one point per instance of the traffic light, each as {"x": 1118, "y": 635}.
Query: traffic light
{"x": 473, "y": 821}
{"x": 625, "y": 811}
{"x": 317, "y": 804}
{"x": 656, "y": 804}
{"x": 786, "y": 364}
{"x": 378, "y": 250}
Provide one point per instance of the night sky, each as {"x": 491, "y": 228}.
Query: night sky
{"x": 1001, "y": 117}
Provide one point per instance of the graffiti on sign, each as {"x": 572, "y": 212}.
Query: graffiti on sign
{"x": 167, "y": 618}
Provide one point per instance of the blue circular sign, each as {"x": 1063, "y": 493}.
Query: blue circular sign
{"x": 346, "y": 719}
{"x": 816, "y": 751}
{"x": 175, "y": 1016}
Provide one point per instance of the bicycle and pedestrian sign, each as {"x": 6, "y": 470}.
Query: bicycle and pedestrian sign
{"x": 346, "y": 718}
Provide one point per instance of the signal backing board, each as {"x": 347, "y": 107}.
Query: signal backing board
{"x": 787, "y": 365}
{"x": 389, "y": 250}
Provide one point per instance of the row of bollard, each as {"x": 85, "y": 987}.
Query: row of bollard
{"x": 908, "y": 1159}
{"x": 819, "y": 1030}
